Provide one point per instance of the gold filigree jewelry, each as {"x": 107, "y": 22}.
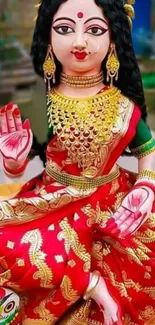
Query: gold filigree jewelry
{"x": 112, "y": 65}
{"x": 49, "y": 67}
{"x": 81, "y": 81}
{"x": 92, "y": 285}
{"x": 84, "y": 125}
{"x": 149, "y": 174}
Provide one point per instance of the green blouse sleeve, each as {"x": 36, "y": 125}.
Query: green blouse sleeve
{"x": 142, "y": 144}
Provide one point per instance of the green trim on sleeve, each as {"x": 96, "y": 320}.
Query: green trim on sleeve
{"x": 142, "y": 144}
{"x": 145, "y": 149}
{"x": 142, "y": 136}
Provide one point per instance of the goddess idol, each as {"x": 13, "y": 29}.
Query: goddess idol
{"x": 78, "y": 241}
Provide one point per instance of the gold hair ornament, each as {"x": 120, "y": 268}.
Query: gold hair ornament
{"x": 37, "y": 6}
{"x": 128, "y": 6}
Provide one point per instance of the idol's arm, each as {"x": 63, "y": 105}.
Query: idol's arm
{"x": 138, "y": 203}
{"x": 147, "y": 163}
{"x": 143, "y": 148}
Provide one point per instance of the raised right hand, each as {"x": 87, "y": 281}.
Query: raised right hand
{"x": 15, "y": 138}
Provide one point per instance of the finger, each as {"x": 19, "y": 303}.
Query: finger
{"x": 17, "y": 119}
{"x": 118, "y": 213}
{"x": 125, "y": 226}
{"x": 134, "y": 227}
{"x": 123, "y": 217}
{"x": 136, "y": 224}
{"x": 26, "y": 124}
{"x": 137, "y": 215}
{"x": 111, "y": 224}
{"x": 10, "y": 119}
{"x": 123, "y": 223}
{"x": 3, "y": 121}
{"x": 3, "y": 109}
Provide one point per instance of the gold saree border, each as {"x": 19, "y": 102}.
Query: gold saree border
{"x": 31, "y": 321}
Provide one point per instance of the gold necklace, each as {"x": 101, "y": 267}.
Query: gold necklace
{"x": 83, "y": 125}
{"x": 81, "y": 81}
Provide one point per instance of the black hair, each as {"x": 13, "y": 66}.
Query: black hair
{"x": 129, "y": 81}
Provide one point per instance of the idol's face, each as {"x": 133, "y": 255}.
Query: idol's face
{"x": 80, "y": 36}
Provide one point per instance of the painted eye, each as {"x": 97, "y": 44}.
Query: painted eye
{"x": 63, "y": 30}
{"x": 9, "y": 307}
{"x": 96, "y": 31}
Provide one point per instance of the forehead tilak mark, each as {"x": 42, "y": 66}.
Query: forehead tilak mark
{"x": 80, "y": 14}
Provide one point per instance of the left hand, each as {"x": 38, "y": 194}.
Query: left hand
{"x": 132, "y": 213}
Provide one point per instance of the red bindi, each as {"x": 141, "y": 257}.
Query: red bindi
{"x": 80, "y": 15}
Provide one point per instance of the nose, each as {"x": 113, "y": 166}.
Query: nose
{"x": 79, "y": 43}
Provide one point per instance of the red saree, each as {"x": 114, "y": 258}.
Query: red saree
{"x": 52, "y": 237}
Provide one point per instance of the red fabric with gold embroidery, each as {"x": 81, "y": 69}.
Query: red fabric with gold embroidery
{"x": 55, "y": 237}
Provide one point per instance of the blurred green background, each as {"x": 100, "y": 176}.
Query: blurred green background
{"x": 18, "y": 81}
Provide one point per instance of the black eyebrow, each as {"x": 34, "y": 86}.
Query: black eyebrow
{"x": 64, "y": 18}
{"x": 96, "y": 18}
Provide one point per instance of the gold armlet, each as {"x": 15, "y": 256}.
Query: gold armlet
{"x": 92, "y": 285}
{"x": 146, "y": 174}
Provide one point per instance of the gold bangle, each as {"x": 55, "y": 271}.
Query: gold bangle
{"x": 92, "y": 285}
{"x": 147, "y": 174}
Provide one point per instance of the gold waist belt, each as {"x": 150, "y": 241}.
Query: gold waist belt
{"x": 80, "y": 182}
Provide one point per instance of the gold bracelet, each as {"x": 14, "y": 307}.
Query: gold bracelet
{"x": 146, "y": 174}
{"x": 92, "y": 285}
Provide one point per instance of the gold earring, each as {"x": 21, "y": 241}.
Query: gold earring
{"x": 49, "y": 67}
{"x": 112, "y": 65}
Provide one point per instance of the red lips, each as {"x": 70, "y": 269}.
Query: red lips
{"x": 80, "y": 55}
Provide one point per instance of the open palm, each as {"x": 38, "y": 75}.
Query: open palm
{"x": 133, "y": 212}
{"x": 15, "y": 136}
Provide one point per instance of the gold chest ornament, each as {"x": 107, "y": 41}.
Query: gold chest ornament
{"x": 84, "y": 125}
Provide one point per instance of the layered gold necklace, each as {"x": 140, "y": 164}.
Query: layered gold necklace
{"x": 83, "y": 125}
{"x": 81, "y": 81}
